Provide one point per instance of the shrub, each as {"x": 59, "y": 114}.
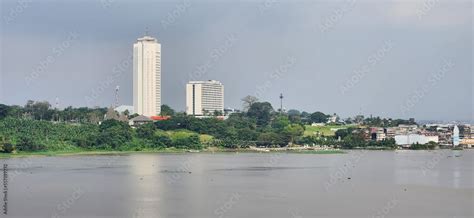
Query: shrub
{"x": 185, "y": 139}
{"x": 6, "y": 146}
{"x": 28, "y": 144}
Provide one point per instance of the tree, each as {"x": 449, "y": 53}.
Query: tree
{"x": 293, "y": 112}
{"x": 270, "y": 139}
{"x": 217, "y": 113}
{"x": 6, "y": 146}
{"x": 167, "y": 110}
{"x": 113, "y": 134}
{"x": 29, "y": 143}
{"x": 359, "y": 119}
{"x": 146, "y": 131}
{"x": 111, "y": 114}
{"x": 342, "y": 133}
{"x": 305, "y": 114}
{"x": 4, "y": 109}
{"x": 247, "y": 134}
{"x": 280, "y": 122}
{"x": 293, "y": 131}
{"x": 319, "y": 117}
{"x": 127, "y": 113}
{"x": 133, "y": 116}
{"x": 39, "y": 110}
{"x": 185, "y": 139}
{"x": 248, "y": 101}
{"x": 262, "y": 112}
{"x": 161, "y": 140}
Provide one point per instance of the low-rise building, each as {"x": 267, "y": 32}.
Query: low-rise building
{"x": 467, "y": 143}
{"x": 377, "y": 134}
{"x": 409, "y": 139}
{"x": 139, "y": 120}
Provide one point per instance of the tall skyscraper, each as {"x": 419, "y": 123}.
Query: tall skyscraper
{"x": 147, "y": 76}
{"x": 204, "y": 97}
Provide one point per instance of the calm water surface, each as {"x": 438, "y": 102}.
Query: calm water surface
{"x": 356, "y": 184}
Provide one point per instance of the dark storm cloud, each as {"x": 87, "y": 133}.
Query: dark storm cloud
{"x": 308, "y": 50}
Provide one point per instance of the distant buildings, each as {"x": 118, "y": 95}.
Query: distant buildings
{"x": 378, "y": 134}
{"x": 409, "y": 139}
{"x": 456, "y": 139}
{"x": 147, "y": 76}
{"x": 229, "y": 111}
{"x": 333, "y": 118}
{"x": 204, "y": 97}
{"x": 139, "y": 120}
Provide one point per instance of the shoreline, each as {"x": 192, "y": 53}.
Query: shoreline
{"x": 212, "y": 150}
{"x": 162, "y": 151}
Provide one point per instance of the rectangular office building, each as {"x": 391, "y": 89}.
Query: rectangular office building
{"x": 204, "y": 97}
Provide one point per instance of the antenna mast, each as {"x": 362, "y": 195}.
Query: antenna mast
{"x": 281, "y": 103}
{"x": 56, "y": 105}
{"x": 117, "y": 88}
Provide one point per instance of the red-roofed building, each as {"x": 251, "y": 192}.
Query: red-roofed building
{"x": 159, "y": 118}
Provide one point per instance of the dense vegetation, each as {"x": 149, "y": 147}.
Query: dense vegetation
{"x": 38, "y": 127}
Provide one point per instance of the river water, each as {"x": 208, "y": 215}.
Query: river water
{"x": 249, "y": 185}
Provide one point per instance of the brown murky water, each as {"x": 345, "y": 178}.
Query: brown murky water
{"x": 357, "y": 184}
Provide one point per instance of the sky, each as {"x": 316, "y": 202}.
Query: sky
{"x": 397, "y": 59}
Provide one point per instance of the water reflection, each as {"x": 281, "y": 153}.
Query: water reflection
{"x": 246, "y": 185}
{"x": 145, "y": 181}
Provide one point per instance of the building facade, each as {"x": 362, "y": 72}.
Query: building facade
{"x": 409, "y": 139}
{"x": 204, "y": 97}
{"x": 147, "y": 76}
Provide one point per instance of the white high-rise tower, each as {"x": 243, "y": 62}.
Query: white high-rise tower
{"x": 147, "y": 76}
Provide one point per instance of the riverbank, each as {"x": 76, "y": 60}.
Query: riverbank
{"x": 161, "y": 151}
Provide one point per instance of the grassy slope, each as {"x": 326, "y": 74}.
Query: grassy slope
{"x": 328, "y": 130}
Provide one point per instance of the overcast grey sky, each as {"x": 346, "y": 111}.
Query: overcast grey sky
{"x": 389, "y": 58}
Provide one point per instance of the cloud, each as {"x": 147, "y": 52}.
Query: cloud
{"x": 430, "y": 13}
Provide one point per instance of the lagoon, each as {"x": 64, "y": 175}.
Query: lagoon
{"x": 355, "y": 184}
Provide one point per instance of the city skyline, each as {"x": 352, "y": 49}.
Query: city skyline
{"x": 406, "y": 67}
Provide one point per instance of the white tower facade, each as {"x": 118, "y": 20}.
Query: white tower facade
{"x": 204, "y": 97}
{"x": 147, "y": 76}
